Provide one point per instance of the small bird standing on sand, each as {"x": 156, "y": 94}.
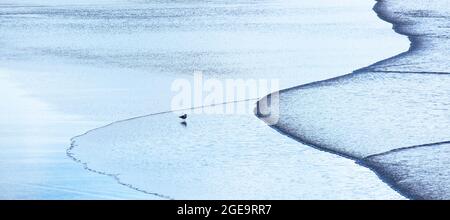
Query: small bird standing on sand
{"x": 183, "y": 116}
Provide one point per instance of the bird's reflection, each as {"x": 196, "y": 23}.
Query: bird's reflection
{"x": 183, "y": 123}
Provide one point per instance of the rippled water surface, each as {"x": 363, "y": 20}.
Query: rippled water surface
{"x": 88, "y": 64}
{"x": 394, "y": 115}
{"x": 222, "y": 156}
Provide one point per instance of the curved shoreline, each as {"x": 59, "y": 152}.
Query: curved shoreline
{"x": 110, "y": 139}
{"x": 115, "y": 176}
{"x": 416, "y": 45}
{"x": 131, "y": 186}
{"x": 88, "y": 85}
{"x": 383, "y": 177}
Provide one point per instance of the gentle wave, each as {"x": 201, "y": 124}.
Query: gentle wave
{"x": 238, "y": 156}
{"x": 220, "y": 156}
{"x": 395, "y": 103}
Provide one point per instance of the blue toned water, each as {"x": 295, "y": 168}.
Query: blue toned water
{"x": 393, "y": 116}
{"x": 221, "y": 157}
{"x": 95, "y": 63}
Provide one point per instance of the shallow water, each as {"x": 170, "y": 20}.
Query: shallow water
{"x": 268, "y": 39}
{"x": 95, "y": 63}
{"x": 380, "y": 114}
{"x": 105, "y": 61}
{"x": 369, "y": 113}
{"x": 422, "y": 171}
{"x": 221, "y": 157}
{"x": 33, "y": 160}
